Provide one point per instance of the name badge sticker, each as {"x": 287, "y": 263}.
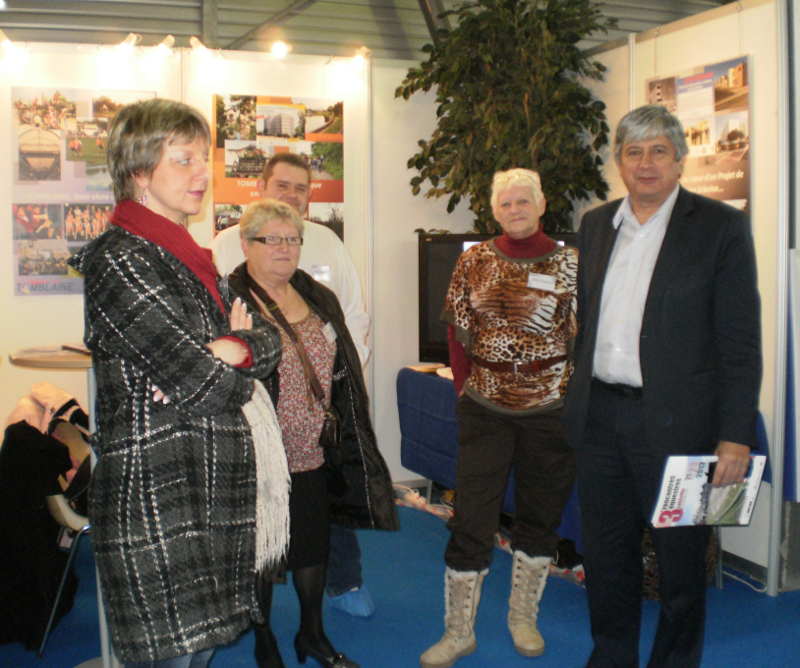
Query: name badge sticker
{"x": 321, "y": 273}
{"x": 542, "y": 282}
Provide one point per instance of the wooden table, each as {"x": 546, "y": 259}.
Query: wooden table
{"x": 51, "y": 357}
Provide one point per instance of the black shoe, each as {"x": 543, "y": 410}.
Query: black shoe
{"x": 324, "y": 658}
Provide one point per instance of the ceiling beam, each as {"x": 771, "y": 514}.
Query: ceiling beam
{"x": 276, "y": 19}
{"x": 208, "y": 23}
{"x": 432, "y": 10}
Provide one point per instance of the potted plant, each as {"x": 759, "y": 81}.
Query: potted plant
{"x": 508, "y": 82}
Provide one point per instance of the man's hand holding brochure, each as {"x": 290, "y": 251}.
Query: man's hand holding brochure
{"x": 687, "y": 496}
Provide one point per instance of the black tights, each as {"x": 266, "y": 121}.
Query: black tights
{"x": 267, "y": 653}
{"x": 309, "y": 583}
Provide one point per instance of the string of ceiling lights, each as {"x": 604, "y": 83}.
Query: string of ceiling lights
{"x": 17, "y": 56}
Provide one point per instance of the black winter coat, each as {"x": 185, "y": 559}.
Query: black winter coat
{"x": 369, "y": 500}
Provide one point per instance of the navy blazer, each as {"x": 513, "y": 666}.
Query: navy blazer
{"x": 700, "y": 342}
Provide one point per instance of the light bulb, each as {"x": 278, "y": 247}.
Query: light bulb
{"x": 129, "y": 42}
{"x": 165, "y": 47}
{"x": 197, "y": 45}
{"x": 280, "y": 49}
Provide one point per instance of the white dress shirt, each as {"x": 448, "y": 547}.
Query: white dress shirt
{"x": 325, "y": 258}
{"x": 627, "y": 282}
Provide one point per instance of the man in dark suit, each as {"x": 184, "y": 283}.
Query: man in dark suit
{"x": 668, "y": 361}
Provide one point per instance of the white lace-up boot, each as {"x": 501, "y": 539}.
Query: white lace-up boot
{"x": 528, "y": 577}
{"x": 462, "y": 592}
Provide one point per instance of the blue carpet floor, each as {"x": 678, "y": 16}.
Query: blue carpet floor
{"x": 404, "y": 571}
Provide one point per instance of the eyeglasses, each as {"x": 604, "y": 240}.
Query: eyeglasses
{"x": 276, "y": 241}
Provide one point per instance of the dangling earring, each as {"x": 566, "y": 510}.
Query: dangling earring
{"x": 142, "y": 199}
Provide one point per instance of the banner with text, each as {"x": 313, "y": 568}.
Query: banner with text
{"x": 713, "y": 103}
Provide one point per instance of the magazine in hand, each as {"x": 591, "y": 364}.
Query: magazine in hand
{"x": 687, "y": 496}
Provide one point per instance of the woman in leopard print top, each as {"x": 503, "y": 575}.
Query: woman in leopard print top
{"x": 510, "y": 312}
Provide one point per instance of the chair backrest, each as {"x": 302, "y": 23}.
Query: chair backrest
{"x": 63, "y": 513}
{"x": 72, "y": 437}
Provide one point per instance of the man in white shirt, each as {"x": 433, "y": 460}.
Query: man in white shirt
{"x": 287, "y": 178}
{"x": 668, "y": 362}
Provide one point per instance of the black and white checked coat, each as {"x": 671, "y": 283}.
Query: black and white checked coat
{"x": 172, "y": 499}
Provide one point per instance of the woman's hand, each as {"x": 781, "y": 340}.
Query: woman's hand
{"x": 226, "y": 350}
{"x": 240, "y": 318}
{"x": 158, "y": 395}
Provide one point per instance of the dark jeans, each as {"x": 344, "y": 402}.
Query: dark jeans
{"x": 489, "y": 444}
{"x": 618, "y": 482}
{"x": 344, "y": 562}
{"x": 197, "y": 660}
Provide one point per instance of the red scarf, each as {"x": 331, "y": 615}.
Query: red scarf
{"x": 173, "y": 238}
{"x": 536, "y": 245}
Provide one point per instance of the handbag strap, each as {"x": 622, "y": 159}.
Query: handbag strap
{"x": 274, "y": 310}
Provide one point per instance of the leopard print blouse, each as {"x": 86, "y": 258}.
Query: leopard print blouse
{"x": 515, "y": 310}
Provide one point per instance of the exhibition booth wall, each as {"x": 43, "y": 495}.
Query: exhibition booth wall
{"x": 380, "y": 213}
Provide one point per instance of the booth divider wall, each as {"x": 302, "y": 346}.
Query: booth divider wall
{"x": 397, "y": 126}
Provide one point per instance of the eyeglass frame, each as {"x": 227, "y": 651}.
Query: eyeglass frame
{"x": 263, "y": 240}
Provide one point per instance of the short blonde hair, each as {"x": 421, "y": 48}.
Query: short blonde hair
{"x": 523, "y": 178}
{"x": 262, "y": 212}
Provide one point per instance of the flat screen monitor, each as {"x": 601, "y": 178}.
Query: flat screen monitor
{"x": 438, "y": 254}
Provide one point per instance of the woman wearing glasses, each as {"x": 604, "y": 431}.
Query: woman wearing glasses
{"x": 189, "y": 498}
{"x": 319, "y": 367}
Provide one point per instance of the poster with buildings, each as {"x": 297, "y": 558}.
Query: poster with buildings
{"x": 61, "y": 193}
{"x": 250, "y": 129}
{"x": 713, "y": 103}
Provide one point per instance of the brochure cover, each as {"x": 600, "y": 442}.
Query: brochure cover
{"x": 687, "y": 496}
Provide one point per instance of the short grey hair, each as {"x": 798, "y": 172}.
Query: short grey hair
{"x": 140, "y": 132}
{"x": 264, "y": 211}
{"x": 649, "y": 122}
{"x": 522, "y": 178}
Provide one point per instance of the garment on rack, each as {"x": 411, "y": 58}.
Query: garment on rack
{"x": 32, "y": 458}
{"x": 31, "y": 563}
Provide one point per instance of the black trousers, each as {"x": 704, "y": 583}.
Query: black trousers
{"x": 489, "y": 444}
{"x": 618, "y": 482}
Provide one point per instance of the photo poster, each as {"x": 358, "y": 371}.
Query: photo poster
{"x": 61, "y": 195}
{"x": 713, "y": 104}
{"x": 250, "y": 129}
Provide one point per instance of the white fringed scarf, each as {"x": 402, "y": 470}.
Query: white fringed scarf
{"x": 272, "y": 480}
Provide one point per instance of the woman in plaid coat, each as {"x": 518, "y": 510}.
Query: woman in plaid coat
{"x": 183, "y": 510}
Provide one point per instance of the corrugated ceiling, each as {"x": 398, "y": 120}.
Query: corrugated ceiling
{"x": 389, "y": 28}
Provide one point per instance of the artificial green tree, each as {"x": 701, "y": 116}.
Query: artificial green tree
{"x": 509, "y": 84}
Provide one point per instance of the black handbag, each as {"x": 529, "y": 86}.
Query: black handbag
{"x": 330, "y": 438}
{"x": 330, "y": 441}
